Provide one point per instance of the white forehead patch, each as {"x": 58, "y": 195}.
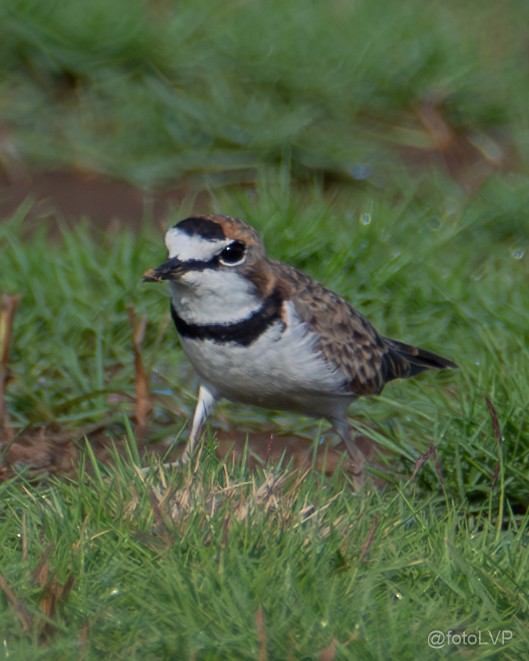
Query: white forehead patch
{"x": 186, "y": 248}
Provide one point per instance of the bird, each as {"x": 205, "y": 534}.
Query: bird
{"x": 258, "y": 331}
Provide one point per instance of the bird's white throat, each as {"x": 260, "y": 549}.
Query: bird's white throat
{"x": 212, "y": 296}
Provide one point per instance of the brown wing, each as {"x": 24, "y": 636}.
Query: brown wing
{"x": 348, "y": 341}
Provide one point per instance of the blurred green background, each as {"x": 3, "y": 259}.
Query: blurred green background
{"x": 157, "y": 92}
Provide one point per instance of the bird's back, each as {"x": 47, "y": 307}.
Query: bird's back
{"x": 348, "y": 341}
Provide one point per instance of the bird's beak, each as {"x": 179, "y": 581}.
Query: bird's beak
{"x": 170, "y": 269}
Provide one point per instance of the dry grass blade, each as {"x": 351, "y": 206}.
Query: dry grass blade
{"x": 465, "y": 161}
{"x": 431, "y": 453}
{"x": 41, "y": 572}
{"x": 495, "y": 421}
{"x": 84, "y": 636}
{"x": 441, "y": 133}
{"x": 155, "y": 500}
{"x": 22, "y": 614}
{"x": 260, "y": 625}
{"x": 328, "y": 653}
{"x": 225, "y": 528}
{"x": 54, "y": 593}
{"x": 7, "y": 315}
{"x": 143, "y": 404}
{"x": 369, "y": 539}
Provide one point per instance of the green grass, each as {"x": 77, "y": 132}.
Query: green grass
{"x": 188, "y": 570}
{"x": 153, "y": 92}
{"x": 453, "y": 283}
{"x": 185, "y": 570}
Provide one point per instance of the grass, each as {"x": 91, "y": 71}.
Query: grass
{"x": 452, "y": 283}
{"x": 233, "y": 563}
{"x": 155, "y": 92}
{"x": 319, "y": 107}
{"x": 225, "y": 565}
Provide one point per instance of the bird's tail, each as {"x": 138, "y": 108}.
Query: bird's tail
{"x": 405, "y": 360}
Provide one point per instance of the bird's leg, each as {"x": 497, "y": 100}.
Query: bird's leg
{"x": 205, "y": 405}
{"x": 347, "y": 433}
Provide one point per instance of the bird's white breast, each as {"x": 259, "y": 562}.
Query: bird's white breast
{"x": 282, "y": 368}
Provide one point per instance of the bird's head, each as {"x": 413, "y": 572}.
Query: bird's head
{"x": 213, "y": 252}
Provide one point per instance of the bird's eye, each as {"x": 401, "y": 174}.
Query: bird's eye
{"x": 233, "y": 253}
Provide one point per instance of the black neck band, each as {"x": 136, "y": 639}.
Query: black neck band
{"x": 243, "y": 332}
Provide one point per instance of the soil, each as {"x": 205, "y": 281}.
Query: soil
{"x": 70, "y": 195}
{"x": 40, "y": 453}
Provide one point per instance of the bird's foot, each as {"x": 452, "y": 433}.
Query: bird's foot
{"x": 357, "y": 464}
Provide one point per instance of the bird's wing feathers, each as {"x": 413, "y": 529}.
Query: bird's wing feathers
{"x": 348, "y": 342}
{"x": 413, "y": 360}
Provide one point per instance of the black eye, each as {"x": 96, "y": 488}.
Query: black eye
{"x": 233, "y": 253}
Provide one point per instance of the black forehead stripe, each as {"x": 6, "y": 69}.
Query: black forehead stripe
{"x": 200, "y": 265}
{"x": 197, "y": 226}
{"x": 243, "y": 332}
{"x": 193, "y": 264}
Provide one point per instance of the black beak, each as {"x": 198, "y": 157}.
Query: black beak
{"x": 169, "y": 269}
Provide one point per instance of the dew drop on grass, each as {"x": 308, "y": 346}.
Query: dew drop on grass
{"x": 359, "y": 171}
{"x": 517, "y": 253}
{"x": 365, "y": 218}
